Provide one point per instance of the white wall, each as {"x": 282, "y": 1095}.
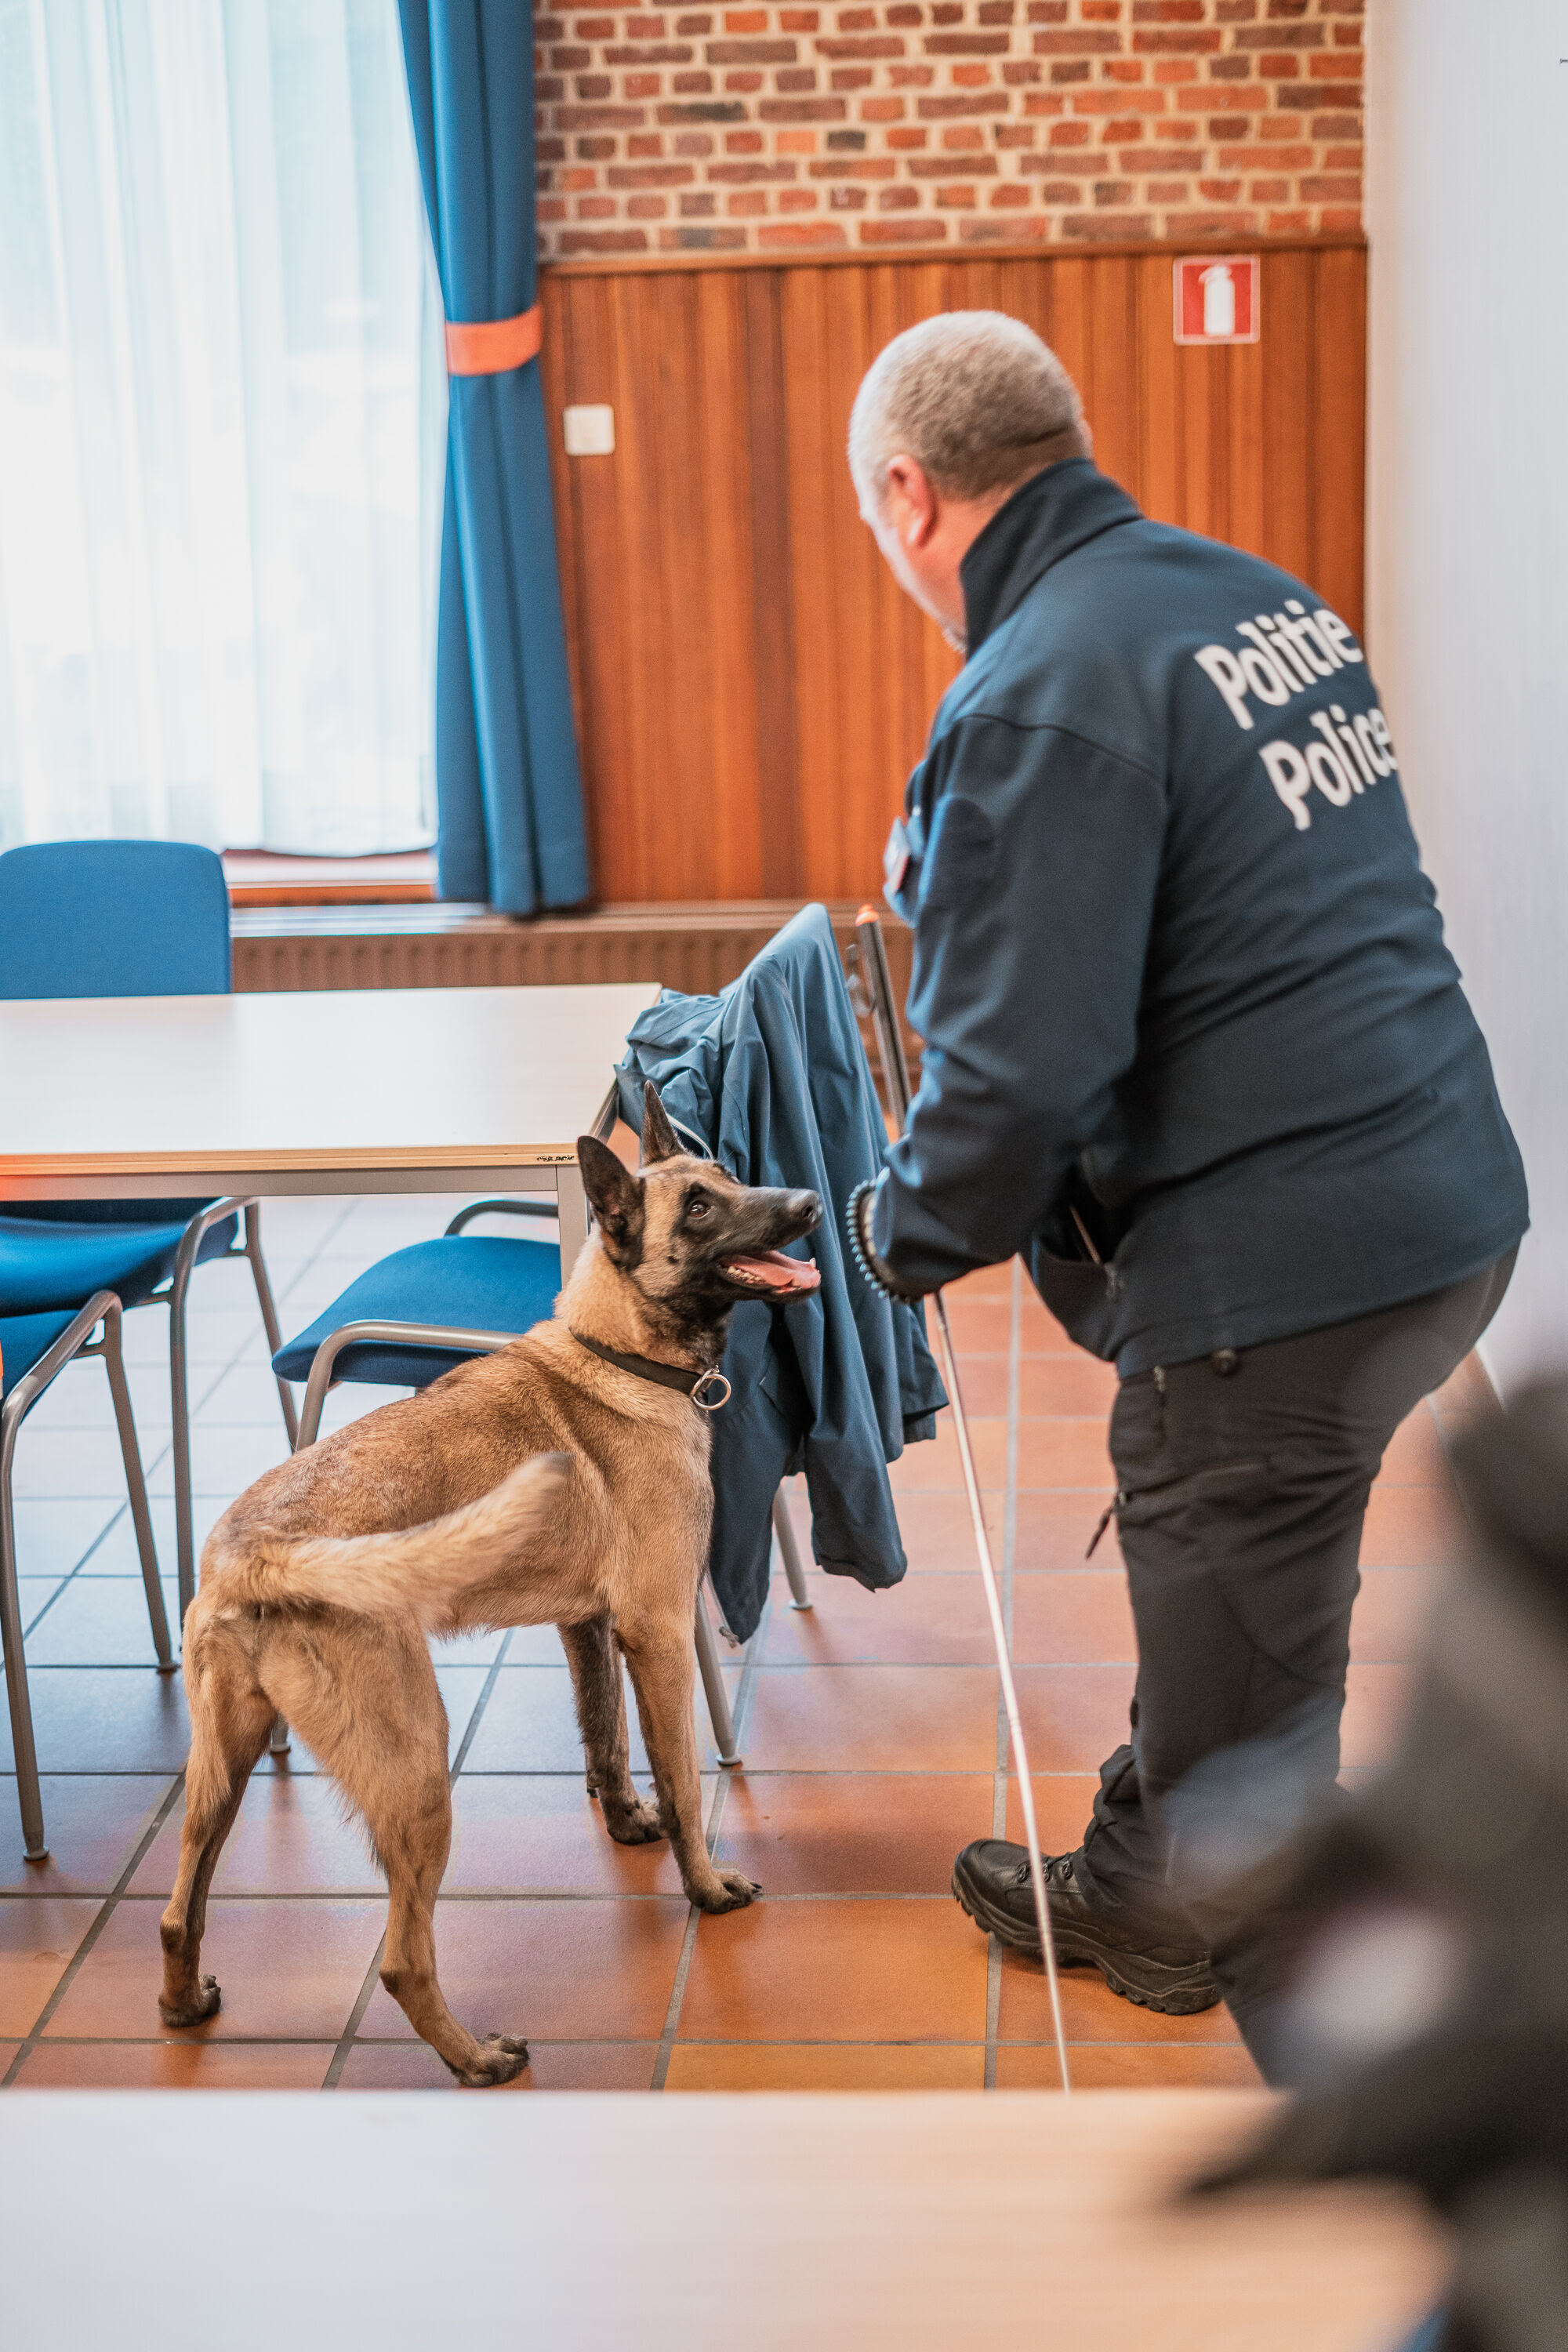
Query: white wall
{"x": 1468, "y": 615}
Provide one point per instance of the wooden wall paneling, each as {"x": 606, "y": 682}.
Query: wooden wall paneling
{"x": 865, "y": 628}
{"x": 723, "y": 569}
{"x": 1114, "y": 373}
{"x": 1243, "y": 458}
{"x": 811, "y": 587}
{"x": 751, "y": 685}
{"x": 1339, "y": 399}
{"x": 781, "y": 861}
{"x": 1289, "y": 436}
{"x": 1159, "y": 392}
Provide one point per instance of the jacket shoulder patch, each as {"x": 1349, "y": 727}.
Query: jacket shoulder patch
{"x": 961, "y": 858}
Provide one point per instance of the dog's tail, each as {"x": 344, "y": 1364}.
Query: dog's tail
{"x": 413, "y": 1570}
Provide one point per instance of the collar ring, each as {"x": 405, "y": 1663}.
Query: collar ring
{"x": 716, "y": 1405}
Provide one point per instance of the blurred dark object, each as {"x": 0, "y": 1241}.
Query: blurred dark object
{"x": 1419, "y": 1938}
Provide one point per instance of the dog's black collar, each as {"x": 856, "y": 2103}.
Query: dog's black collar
{"x": 667, "y": 1376}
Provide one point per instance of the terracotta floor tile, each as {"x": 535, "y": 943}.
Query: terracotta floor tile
{"x": 1375, "y": 1701}
{"x": 75, "y": 1464}
{"x": 1092, "y": 2012}
{"x": 1065, "y": 1453}
{"x": 553, "y": 2066}
{"x": 290, "y": 1839}
{"x": 1390, "y": 1612}
{"x": 33, "y": 1595}
{"x": 1065, "y": 1384}
{"x": 530, "y": 1724}
{"x": 937, "y": 1532}
{"x": 52, "y": 1536}
{"x": 116, "y": 1553}
{"x": 1055, "y": 1530}
{"x": 288, "y": 1972}
{"x": 1411, "y": 1526}
{"x": 981, "y": 1327}
{"x": 92, "y": 1824}
{"x": 935, "y": 1462}
{"x": 101, "y": 1621}
{"x": 37, "y": 1937}
{"x": 925, "y": 1620}
{"x": 990, "y": 1282}
{"x": 837, "y": 1971}
{"x": 1130, "y": 2066}
{"x": 539, "y": 1832}
{"x": 177, "y": 2065}
{"x": 1076, "y": 1616}
{"x": 984, "y": 1382}
{"x": 1040, "y": 1333}
{"x": 851, "y": 1834}
{"x": 568, "y": 1971}
{"x": 1073, "y": 1716}
{"x": 1063, "y": 1801}
{"x": 1416, "y": 1454}
{"x": 104, "y": 1719}
{"x": 872, "y": 1719}
{"x": 825, "y": 2067}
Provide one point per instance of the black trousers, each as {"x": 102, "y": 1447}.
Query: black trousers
{"x": 1243, "y": 1480}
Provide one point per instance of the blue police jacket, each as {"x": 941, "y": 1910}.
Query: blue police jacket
{"x": 1183, "y": 983}
{"x": 770, "y": 1077}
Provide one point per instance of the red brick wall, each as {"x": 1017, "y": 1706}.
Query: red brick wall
{"x": 955, "y": 122}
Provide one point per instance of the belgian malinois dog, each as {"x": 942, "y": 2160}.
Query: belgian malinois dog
{"x": 562, "y": 1480}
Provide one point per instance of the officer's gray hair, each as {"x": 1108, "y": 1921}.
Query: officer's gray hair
{"x": 975, "y": 398}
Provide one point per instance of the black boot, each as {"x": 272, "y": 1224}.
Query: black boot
{"x": 991, "y": 1881}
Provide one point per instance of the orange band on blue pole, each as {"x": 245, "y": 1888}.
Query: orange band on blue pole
{"x": 492, "y": 345}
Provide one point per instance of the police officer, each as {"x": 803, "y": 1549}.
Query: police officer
{"x": 1195, "y": 1046}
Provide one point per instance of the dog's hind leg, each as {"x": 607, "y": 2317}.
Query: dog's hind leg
{"x": 231, "y": 1720}
{"x": 368, "y": 1704}
{"x": 601, "y": 1696}
{"x": 659, "y": 1655}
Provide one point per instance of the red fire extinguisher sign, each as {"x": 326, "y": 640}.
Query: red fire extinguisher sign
{"x": 1216, "y": 298}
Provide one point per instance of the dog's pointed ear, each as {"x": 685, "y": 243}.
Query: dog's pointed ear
{"x": 660, "y": 1141}
{"x": 616, "y": 1200}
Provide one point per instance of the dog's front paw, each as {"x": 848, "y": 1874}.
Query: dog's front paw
{"x": 205, "y": 2001}
{"x": 731, "y": 1890}
{"x": 633, "y": 1824}
{"x": 501, "y": 2058}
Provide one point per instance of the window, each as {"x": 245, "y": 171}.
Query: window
{"x": 222, "y": 426}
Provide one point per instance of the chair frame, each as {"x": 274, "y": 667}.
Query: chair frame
{"x": 173, "y": 1296}
{"x": 103, "y": 1307}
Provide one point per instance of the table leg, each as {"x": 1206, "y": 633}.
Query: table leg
{"x": 572, "y": 1208}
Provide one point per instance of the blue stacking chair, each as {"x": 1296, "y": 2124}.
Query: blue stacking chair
{"x": 436, "y": 1304}
{"x": 124, "y": 919}
{"x": 33, "y": 1349}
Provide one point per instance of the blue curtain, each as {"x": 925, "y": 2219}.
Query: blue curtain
{"x": 509, "y": 794}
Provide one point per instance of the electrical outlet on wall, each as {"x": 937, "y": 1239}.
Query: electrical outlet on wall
{"x": 589, "y": 431}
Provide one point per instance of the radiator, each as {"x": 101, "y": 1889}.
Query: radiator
{"x": 695, "y": 949}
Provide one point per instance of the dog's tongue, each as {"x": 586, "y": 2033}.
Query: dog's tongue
{"x": 771, "y": 1270}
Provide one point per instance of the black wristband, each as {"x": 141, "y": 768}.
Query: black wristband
{"x": 857, "y": 1219}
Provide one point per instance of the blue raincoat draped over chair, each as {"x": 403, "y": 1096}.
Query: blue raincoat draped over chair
{"x": 770, "y": 1077}
{"x": 509, "y": 793}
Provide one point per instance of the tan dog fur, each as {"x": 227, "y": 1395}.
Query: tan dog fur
{"x": 539, "y": 1485}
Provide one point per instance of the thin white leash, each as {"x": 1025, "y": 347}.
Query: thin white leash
{"x": 877, "y": 982}
{"x": 1009, "y": 1689}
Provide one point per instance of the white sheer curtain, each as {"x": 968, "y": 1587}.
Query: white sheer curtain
{"x": 222, "y": 426}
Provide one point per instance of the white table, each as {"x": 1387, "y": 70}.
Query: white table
{"x": 903, "y": 2223}
{"x": 363, "y": 1090}
{"x": 335, "y": 1090}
